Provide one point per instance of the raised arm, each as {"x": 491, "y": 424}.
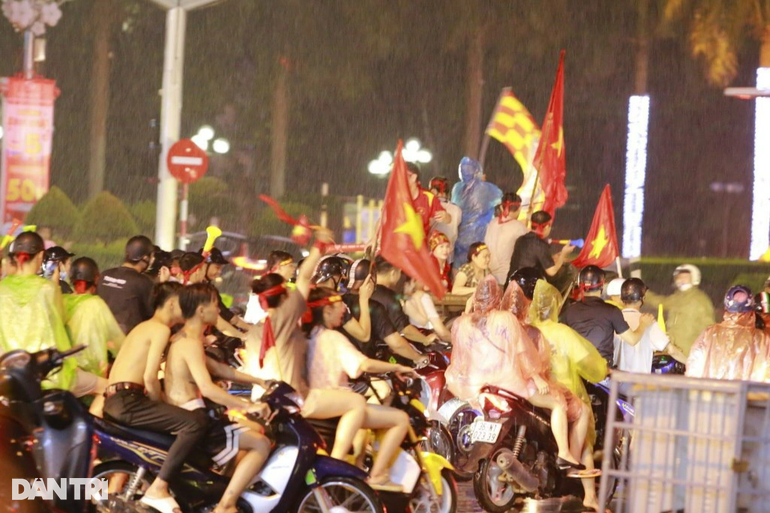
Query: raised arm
{"x": 307, "y": 268}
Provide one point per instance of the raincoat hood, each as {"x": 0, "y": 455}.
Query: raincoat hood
{"x": 24, "y": 288}
{"x": 487, "y": 296}
{"x": 516, "y": 302}
{"x": 470, "y": 169}
{"x": 746, "y": 319}
{"x": 546, "y": 302}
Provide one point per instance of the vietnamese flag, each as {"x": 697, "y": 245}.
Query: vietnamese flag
{"x": 403, "y": 242}
{"x": 601, "y": 246}
{"x": 550, "y": 158}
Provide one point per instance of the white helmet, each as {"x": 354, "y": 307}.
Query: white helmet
{"x": 613, "y": 287}
{"x": 689, "y": 268}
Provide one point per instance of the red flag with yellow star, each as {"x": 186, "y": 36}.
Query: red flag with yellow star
{"x": 403, "y": 242}
{"x": 601, "y": 246}
{"x": 549, "y": 158}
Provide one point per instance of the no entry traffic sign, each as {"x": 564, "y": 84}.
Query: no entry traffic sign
{"x": 186, "y": 161}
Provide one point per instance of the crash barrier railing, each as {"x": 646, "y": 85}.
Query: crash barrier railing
{"x": 693, "y": 445}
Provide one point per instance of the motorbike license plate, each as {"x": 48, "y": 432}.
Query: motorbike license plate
{"x": 486, "y": 432}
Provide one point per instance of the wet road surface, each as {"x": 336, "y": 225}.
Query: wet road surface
{"x": 467, "y": 503}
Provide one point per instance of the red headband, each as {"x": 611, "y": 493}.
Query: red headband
{"x": 539, "y": 228}
{"x": 506, "y": 208}
{"x": 81, "y": 286}
{"x": 307, "y": 317}
{"x": 439, "y": 185}
{"x": 22, "y": 258}
{"x": 186, "y": 274}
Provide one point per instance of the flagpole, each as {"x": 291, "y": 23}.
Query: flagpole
{"x": 619, "y": 267}
{"x": 485, "y": 141}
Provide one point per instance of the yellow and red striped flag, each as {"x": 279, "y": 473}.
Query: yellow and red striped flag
{"x": 514, "y": 126}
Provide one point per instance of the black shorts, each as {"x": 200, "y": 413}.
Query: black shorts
{"x": 221, "y": 443}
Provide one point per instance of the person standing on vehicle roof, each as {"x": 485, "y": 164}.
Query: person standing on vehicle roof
{"x": 688, "y": 311}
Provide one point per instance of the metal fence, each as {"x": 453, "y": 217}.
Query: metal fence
{"x": 694, "y": 445}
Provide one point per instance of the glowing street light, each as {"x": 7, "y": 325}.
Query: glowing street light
{"x": 412, "y": 152}
{"x": 221, "y": 146}
{"x": 200, "y": 142}
{"x": 206, "y": 132}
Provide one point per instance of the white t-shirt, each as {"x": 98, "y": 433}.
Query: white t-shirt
{"x": 426, "y": 302}
{"x": 638, "y": 358}
{"x": 331, "y": 359}
{"x": 450, "y": 229}
{"x": 501, "y": 239}
{"x": 254, "y": 313}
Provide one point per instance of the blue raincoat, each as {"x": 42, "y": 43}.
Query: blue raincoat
{"x": 477, "y": 199}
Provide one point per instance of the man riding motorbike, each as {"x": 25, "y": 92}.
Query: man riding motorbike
{"x": 733, "y": 348}
{"x": 188, "y": 378}
{"x": 688, "y": 311}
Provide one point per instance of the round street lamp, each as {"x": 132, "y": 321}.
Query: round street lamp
{"x": 221, "y": 146}
{"x": 412, "y": 152}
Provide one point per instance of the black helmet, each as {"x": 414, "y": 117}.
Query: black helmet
{"x": 84, "y": 269}
{"x": 735, "y": 304}
{"x": 29, "y": 243}
{"x": 632, "y": 290}
{"x": 359, "y": 271}
{"x": 216, "y": 257}
{"x": 527, "y": 278}
{"x": 591, "y": 278}
{"x": 335, "y": 267}
{"x": 138, "y": 248}
{"x": 162, "y": 259}
{"x": 56, "y": 254}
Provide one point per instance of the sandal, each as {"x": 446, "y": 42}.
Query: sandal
{"x": 584, "y": 474}
{"x": 386, "y": 486}
{"x": 163, "y": 505}
{"x": 567, "y": 465}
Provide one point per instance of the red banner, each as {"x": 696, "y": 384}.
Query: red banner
{"x": 27, "y": 140}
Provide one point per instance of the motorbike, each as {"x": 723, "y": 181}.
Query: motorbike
{"x": 510, "y": 443}
{"x": 426, "y": 477}
{"x": 46, "y": 434}
{"x": 294, "y": 478}
{"x": 663, "y": 363}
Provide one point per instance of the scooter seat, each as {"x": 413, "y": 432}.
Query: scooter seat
{"x": 159, "y": 440}
{"x": 510, "y": 396}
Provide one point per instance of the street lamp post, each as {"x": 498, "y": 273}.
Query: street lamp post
{"x": 760, "y": 207}
{"x": 171, "y": 112}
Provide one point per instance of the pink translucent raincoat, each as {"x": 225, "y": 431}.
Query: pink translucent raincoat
{"x": 516, "y": 302}
{"x": 732, "y": 349}
{"x": 490, "y": 348}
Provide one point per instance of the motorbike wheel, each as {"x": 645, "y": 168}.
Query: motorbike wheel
{"x": 420, "y": 502}
{"x": 351, "y": 494}
{"x": 493, "y": 495}
{"x": 439, "y": 441}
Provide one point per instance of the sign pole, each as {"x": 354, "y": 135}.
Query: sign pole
{"x": 183, "y": 210}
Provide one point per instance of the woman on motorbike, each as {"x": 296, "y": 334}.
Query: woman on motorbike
{"x": 572, "y": 359}
{"x": 491, "y": 348}
{"x": 332, "y": 360}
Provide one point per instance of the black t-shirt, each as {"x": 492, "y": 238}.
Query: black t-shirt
{"x": 531, "y": 251}
{"x": 389, "y": 300}
{"x": 598, "y": 322}
{"x": 128, "y": 293}
{"x": 381, "y": 325}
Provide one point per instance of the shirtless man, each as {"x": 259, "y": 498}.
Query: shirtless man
{"x": 188, "y": 377}
{"x": 134, "y": 394}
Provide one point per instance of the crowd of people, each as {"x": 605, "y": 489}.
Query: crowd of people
{"x": 320, "y": 323}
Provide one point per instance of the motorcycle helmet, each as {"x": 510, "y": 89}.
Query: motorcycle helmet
{"x": 633, "y": 291}
{"x": 56, "y": 254}
{"x": 26, "y": 246}
{"x": 84, "y": 269}
{"x": 591, "y": 278}
{"x": 614, "y": 287}
{"x": 739, "y": 300}
{"x": 138, "y": 248}
{"x": 359, "y": 271}
{"x": 527, "y": 278}
{"x": 162, "y": 259}
{"x": 216, "y": 257}
{"x": 335, "y": 267}
{"x": 689, "y": 268}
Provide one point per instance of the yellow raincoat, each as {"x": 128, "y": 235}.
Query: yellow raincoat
{"x": 688, "y": 313}
{"x": 32, "y": 319}
{"x": 572, "y": 356}
{"x": 90, "y": 323}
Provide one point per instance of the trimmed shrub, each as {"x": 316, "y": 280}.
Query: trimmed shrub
{"x": 107, "y": 256}
{"x": 56, "y": 211}
{"x": 105, "y": 219}
{"x": 144, "y": 214}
